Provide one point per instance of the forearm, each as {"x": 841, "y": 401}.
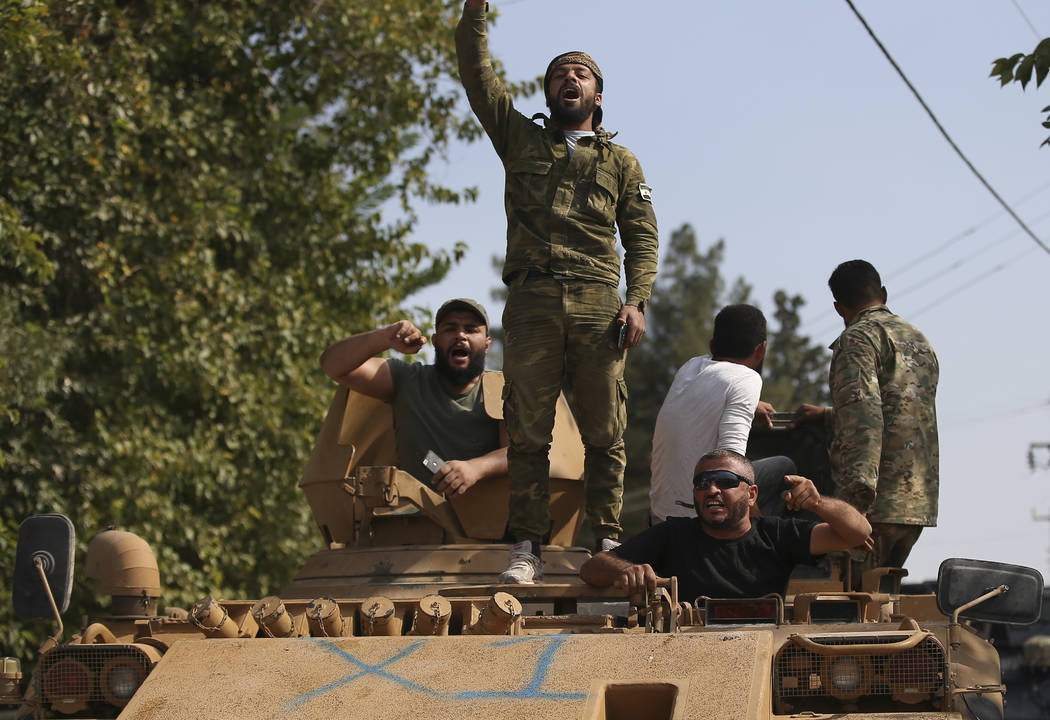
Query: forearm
{"x": 641, "y": 274}
{"x": 636, "y": 220}
{"x": 856, "y": 446}
{"x": 347, "y": 355}
{"x": 640, "y": 259}
{"x": 490, "y": 465}
{"x": 486, "y": 94}
{"x": 856, "y": 450}
{"x": 472, "y": 51}
{"x": 845, "y": 520}
{"x": 604, "y": 569}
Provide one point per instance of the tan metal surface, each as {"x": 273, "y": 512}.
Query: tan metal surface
{"x": 122, "y": 563}
{"x": 725, "y": 675}
{"x": 413, "y": 571}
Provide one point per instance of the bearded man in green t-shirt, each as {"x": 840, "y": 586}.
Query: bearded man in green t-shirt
{"x": 437, "y": 408}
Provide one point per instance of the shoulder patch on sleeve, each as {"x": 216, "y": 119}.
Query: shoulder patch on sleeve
{"x": 645, "y": 192}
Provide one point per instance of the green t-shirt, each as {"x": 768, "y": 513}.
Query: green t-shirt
{"x": 426, "y": 417}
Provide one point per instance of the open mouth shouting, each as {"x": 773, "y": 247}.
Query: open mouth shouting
{"x": 717, "y": 510}
{"x": 570, "y": 93}
{"x": 715, "y": 505}
{"x": 459, "y": 354}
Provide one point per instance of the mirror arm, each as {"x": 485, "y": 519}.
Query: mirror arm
{"x": 953, "y": 628}
{"x": 977, "y": 601}
{"x": 56, "y": 638}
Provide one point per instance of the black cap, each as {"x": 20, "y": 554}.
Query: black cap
{"x": 466, "y": 304}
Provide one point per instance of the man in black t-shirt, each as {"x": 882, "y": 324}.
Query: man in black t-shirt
{"x": 724, "y": 552}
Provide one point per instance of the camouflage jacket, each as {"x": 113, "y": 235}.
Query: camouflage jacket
{"x": 884, "y": 453}
{"x": 562, "y": 212}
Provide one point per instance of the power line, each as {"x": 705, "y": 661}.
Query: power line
{"x": 1021, "y": 12}
{"x": 962, "y": 235}
{"x": 968, "y": 232}
{"x": 968, "y": 284}
{"x": 959, "y": 262}
{"x": 955, "y": 265}
{"x": 984, "y": 417}
{"x": 943, "y": 131}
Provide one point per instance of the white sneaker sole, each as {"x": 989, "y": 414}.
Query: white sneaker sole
{"x": 514, "y": 580}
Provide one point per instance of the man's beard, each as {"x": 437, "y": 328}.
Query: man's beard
{"x": 457, "y": 377}
{"x": 735, "y": 513}
{"x": 564, "y": 116}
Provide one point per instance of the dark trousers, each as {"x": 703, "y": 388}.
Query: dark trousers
{"x": 769, "y": 476}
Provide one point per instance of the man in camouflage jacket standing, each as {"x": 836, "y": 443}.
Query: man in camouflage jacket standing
{"x": 884, "y": 452}
{"x": 568, "y": 188}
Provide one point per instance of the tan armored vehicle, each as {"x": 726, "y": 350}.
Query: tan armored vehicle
{"x": 400, "y": 617}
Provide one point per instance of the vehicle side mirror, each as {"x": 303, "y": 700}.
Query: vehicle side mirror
{"x": 51, "y": 538}
{"x": 961, "y": 581}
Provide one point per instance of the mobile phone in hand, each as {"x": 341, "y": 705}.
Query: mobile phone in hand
{"x": 432, "y": 462}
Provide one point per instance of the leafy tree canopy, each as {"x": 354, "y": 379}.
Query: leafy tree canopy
{"x": 192, "y": 201}
{"x": 1019, "y": 68}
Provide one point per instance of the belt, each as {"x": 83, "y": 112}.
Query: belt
{"x": 534, "y": 274}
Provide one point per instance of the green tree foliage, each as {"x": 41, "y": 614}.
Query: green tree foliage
{"x": 795, "y": 370}
{"x": 190, "y": 209}
{"x": 689, "y": 292}
{"x": 498, "y": 294}
{"x": 1019, "y": 68}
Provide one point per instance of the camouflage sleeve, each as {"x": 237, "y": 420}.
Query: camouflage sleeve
{"x": 856, "y": 445}
{"x": 488, "y": 98}
{"x": 637, "y": 222}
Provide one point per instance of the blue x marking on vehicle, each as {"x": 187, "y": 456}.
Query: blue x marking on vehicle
{"x": 530, "y": 692}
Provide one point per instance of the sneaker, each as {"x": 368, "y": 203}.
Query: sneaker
{"x": 607, "y": 544}
{"x": 524, "y": 568}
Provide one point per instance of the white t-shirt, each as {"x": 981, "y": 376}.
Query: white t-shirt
{"x": 710, "y": 406}
{"x": 571, "y": 136}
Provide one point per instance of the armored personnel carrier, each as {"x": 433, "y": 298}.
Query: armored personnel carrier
{"x": 400, "y": 616}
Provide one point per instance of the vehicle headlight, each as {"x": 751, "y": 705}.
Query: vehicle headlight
{"x": 76, "y": 677}
{"x": 120, "y": 679}
{"x": 913, "y": 675}
{"x": 880, "y": 672}
{"x": 846, "y": 678}
{"x": 68, "y": 684}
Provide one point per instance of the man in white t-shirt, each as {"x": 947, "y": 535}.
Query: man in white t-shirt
{"x": 710, "y": 406}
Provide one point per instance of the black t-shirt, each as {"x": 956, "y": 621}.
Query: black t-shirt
{"x": 754, "y": 564}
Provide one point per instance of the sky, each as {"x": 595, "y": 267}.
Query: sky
{"x": 781, "y": 128}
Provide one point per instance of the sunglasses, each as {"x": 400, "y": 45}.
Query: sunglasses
{"x": 722, "y": 479}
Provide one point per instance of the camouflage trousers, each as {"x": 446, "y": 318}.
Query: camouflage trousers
{"x": 559, "y": 329}
{"x": 893, "y": 544}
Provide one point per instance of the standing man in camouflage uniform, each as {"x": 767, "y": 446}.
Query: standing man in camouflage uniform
{"x": 884, "y": 453}
{"x": 568, "y": 188}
